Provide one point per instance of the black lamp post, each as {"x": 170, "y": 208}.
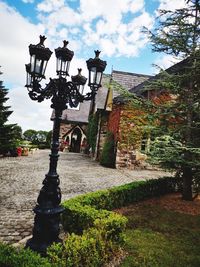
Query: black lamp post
{"x": 62, "y": 93}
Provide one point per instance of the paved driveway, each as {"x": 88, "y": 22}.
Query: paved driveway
{"x": 21, "y": 179}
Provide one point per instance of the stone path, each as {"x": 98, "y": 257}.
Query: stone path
{"x": 21, "y": 179}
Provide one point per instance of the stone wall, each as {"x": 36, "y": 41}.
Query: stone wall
{"x": 65, "y": 128}
{"x": 130, "y": 159}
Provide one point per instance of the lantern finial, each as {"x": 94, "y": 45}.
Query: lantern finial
{"x": 97, "y": 53}
{"x": 65, "y": 43}
{"x": 42, "y": 39}
{"x": 79, "y": 71}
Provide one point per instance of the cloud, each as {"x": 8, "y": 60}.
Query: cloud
{"x": 171, "y": 5}
{"x": 89, "y": 25}
{"x": 28, "y": 1}
{"x": 164, "y": 62}
{"x": 15, "y": 38}
{"x": 93, "y": 24}
{"x": 50, "y": 5}
{"x": 27, "y": 113}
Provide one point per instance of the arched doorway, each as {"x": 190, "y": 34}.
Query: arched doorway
{"x": 76, "y": 140}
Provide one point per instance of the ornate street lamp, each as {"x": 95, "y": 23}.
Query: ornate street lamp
{"x": 62, "y": 93}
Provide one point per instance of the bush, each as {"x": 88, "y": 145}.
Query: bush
{"x": 95, "y": 233}
{"x": 13, "y": 257}
{"x": 108, "y": 153}
{"x": 92, "y": 130}
{"x": 81, "y": 211}
{"x": 91, "y": 249}
{"x": 99, "y": 232}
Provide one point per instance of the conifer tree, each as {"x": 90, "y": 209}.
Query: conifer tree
{"x": 6, "y": 130}
{"x": 178, "y": 144}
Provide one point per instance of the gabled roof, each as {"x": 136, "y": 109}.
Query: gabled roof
{"x": 139, "y": 89}
{"x": 76, "y": 115}
{"x": 128, "y": 80}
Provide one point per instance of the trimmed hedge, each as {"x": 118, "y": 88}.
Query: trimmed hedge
{"x": 97, "y": 229}
{"x": 95, "y": 233}
{"x": 15, "y": 257}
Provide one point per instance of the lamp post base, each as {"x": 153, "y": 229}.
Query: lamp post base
{"x": 46, "y": 229}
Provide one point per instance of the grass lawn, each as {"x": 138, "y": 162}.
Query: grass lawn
{"x": 159, "y": 237}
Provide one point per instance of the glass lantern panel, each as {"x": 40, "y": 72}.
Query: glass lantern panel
{"x": 67, "y": 67}
{"x": 58, "y": 67}
{"x": 63, "y": 67}
{"x": 81, "y": 89}
{"x": 93, "y": 75}
{"x": 28, "y": 79}
{"x": 38, "y": 66}
{"x": 44, "y": 66}
{"x": 32, "y": 63}
{"x": 98, "y": 78}
{"x": 78, "y": 86}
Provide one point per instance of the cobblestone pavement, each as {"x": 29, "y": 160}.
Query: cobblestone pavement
{"x": 21, "y": 179}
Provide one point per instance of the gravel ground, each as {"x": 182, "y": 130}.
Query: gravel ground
{"x": 21, "y": 179}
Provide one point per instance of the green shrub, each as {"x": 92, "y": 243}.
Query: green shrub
{"x": 13, "y": 257}
{"x": 92, "y": 130}
{"x": 94, "y": 247}
{"x": 91, "y": 249}
{"x": 96, "y": 232}
{"x": 81, "y": 211}
{"x": 107, "y": 158}
{"x": 77, "y": 218}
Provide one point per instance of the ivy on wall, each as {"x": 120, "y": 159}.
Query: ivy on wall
{"x": 132, "y": 127}
{"x": 108, "y": 153}
{"x": 92, "y": 131}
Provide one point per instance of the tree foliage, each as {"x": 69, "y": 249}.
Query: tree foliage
{"x": 8, "y": 132}
{"x": 37, "y": 137}
{"x": 177, "y": 126}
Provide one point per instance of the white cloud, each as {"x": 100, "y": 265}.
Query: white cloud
{"x": 27, "y": 113}
{"x": 99, "y": 23}
{"x": 50, "y": 5}
{"x": 28, "y": 1}
{"x": 172, "y": 5}
{"x": 164, "y": 62}
{"x": 113, "y": 26}
{"x": 15, "y": 38}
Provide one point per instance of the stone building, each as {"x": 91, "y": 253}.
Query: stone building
{"x": 73, "y": 128}
{"x": 114, "y": 116}
{"x": 110, "y": 110}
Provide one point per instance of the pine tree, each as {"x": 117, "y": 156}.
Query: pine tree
{"x": 178, "y": 34}
{"x": 6, "y": 130}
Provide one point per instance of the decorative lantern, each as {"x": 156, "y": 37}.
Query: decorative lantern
{"x": 64, "y": 57}
{"x": 79, "y": 80}
{"x": 96, "y": 66}
{"x": 39, "y": 58}
{"x": 28, "y": 75}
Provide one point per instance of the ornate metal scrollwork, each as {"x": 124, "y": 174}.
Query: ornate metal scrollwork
{"x": 60, "y": 92}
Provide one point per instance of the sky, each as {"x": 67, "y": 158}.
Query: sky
{"x": 112, "y": 26}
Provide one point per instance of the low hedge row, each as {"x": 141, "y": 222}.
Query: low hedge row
{"x": 81, "y": 212}
{"x": 94, "y": 232}
{"x": 15, "y": 257}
